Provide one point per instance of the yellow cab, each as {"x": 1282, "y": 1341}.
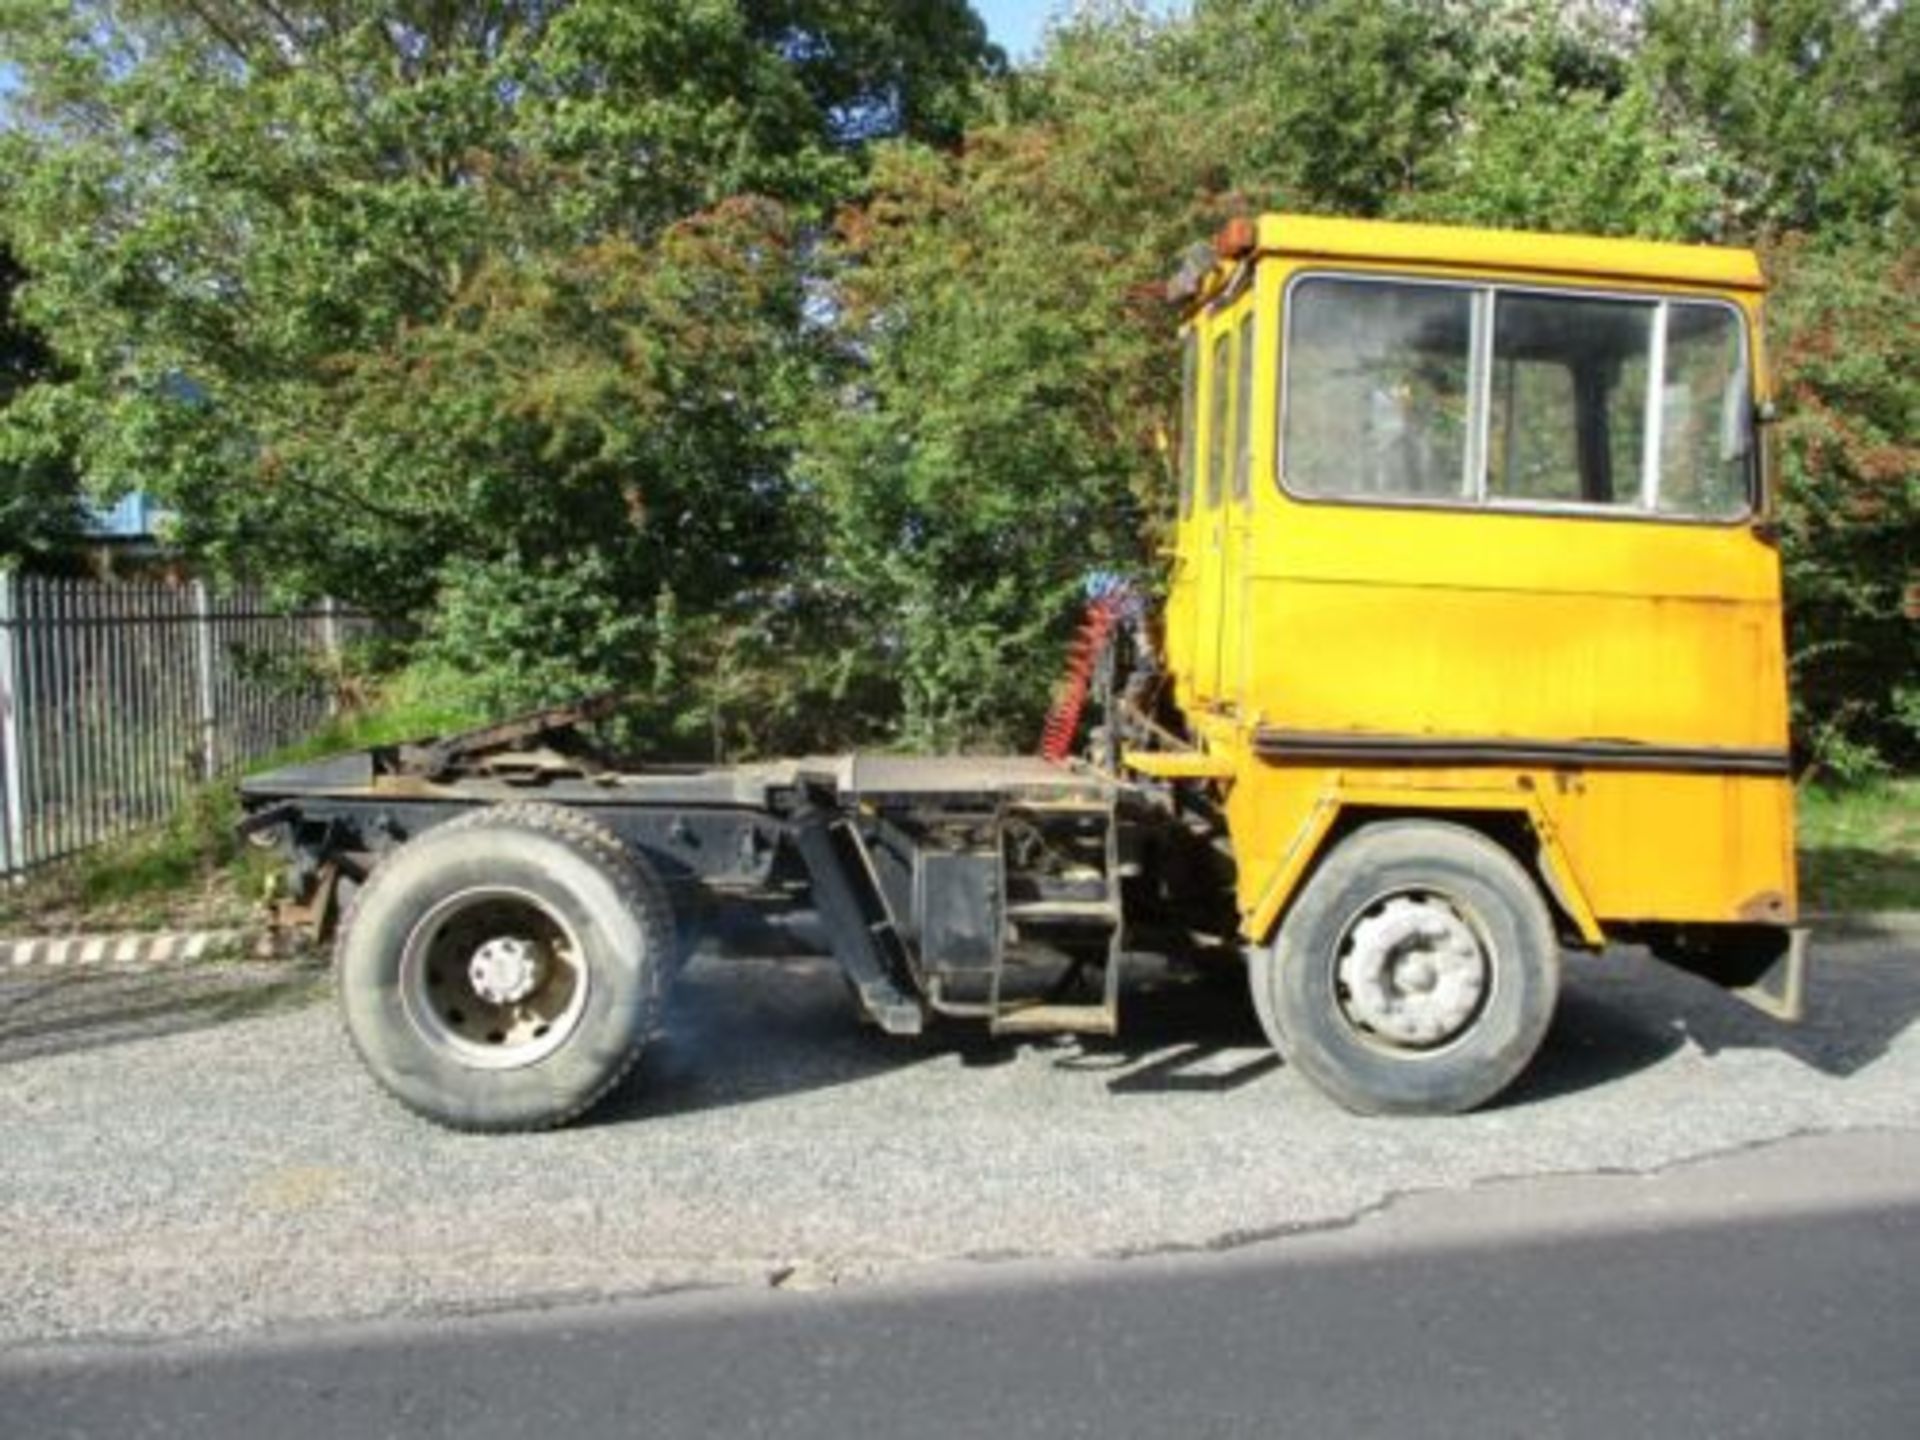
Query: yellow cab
{"x": 1474, "y": 632}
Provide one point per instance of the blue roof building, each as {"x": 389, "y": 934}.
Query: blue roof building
{"x": 133, "y": 519}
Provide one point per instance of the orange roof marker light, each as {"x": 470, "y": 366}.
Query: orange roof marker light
{"x": 1237, "y": 238}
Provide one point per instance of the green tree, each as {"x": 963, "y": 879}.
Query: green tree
{"x": 395, "y": 299}
{"x": 1846, "y": 338}
{"x": 998, "y": 369}
{"x": 1810, "y": 106}
{"x": 1572, "y": 147}
{"x": 1354, "y": 98}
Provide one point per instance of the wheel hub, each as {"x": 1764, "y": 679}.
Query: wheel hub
{"x": 1413, "y": 972}
{"x": 506, "y": 970}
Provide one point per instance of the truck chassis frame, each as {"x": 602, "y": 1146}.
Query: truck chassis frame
{"x": 970, "y": 887}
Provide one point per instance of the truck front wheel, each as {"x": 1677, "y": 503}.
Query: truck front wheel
{"x": 1416, "y": 972}
{"x": 502, "y": 971}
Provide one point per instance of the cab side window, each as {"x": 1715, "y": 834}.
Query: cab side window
{"x": 1706, "y": 419}
{"x": 1243, "y": 410}
{"x": 1220, "y": 377}
{"x": 1376, "y": 400}
{"x": 1189, "y": 436}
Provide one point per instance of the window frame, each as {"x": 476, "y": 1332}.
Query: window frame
{"x": 1486, "y": 300}
{"x": 1223, "y": 374}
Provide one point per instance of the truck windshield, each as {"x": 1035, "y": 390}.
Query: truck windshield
{"x": 1485, "y": 395}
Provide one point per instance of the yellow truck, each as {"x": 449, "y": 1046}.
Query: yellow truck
{"x": 1470, "y": 657}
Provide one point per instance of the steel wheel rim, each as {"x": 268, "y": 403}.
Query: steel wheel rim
{"x": 1413, "y": 972}
{"x": 494, "y": 978}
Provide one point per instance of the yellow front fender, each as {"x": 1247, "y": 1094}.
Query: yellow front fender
{"x": 1418, "y": 795}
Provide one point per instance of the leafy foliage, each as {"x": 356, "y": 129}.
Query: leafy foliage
{"x": 1549, "y": 156}
{"x": 449, "y": 307}
{"x": 1805, "y": 102}
{"x": 997, "y": 387}
{"x": 1847, "y": 339}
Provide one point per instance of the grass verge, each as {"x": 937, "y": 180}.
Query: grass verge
{"x": 192, "y": 873}
{"x": 189, "y": 874}
{"x": 1860, "y": 847}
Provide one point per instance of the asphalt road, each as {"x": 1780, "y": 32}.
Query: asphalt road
{"x": 1770, "y": 1293}
{"x": 197, "y": 1153}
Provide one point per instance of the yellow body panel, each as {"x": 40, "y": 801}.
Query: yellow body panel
{"x": 1494, "y": 632}
{"x": 1474, "y": 793}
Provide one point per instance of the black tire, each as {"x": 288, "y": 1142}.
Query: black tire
{"x": 585, "y": 925}
{"x": 1332, "y": 1004}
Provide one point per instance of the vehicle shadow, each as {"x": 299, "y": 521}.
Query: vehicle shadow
{"x": 1624, "y": 1012}
{"x": 1184, "y": 1030}
{"x": 50, "y": 1011}
{"x": 744, "y": 1031}
{"x": 741, "y": 1031}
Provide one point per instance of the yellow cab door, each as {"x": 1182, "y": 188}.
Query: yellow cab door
{"x": 1515, "y": 529}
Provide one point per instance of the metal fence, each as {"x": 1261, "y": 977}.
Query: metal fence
{"x": 116, "y": 698}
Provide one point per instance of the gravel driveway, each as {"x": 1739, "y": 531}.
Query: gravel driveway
{"x": 198, "y": 1150}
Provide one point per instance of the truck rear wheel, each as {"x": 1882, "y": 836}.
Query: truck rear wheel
{"x": 502, "y": 971}
{"x": 1416, "y": 973}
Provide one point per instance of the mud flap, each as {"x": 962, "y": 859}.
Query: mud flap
{"x": 1764, "y": 965}
{"x": 1781, "y": 989}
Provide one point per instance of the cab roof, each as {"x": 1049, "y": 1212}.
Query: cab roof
{"x": 1310, "y": 237}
